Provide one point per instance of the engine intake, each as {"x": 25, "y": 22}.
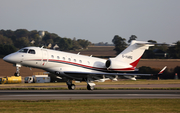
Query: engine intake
{"x": 114, "y": 64}
{"x": 108, "y": 63}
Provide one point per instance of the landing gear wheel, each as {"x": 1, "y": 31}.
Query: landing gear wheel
{"x": 90, "y": 87}
{"x": 16, "y": 74}
{"x": 71, "y": 87}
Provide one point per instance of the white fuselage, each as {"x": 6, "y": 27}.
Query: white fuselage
{"x": 52, "y": 60}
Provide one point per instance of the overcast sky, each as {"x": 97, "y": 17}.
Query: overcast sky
{"x": 95, "y": 20}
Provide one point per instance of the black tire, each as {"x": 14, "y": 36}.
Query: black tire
{"x": 71, "y": 87}
{"x": 90, "y": 87}
{"x": 16, "y": 74}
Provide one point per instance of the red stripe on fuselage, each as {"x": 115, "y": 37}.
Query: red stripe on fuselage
{"x": 83, "y": 66}
{"x": 90, "y": 67}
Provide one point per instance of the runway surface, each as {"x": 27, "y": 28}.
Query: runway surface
{"x": 85, "y": 94}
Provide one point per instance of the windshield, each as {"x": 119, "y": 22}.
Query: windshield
{"x": 23, "y": 50}
{"x": 31, "y": 51}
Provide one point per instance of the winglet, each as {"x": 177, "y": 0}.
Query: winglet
{"x": 162, "y": 70}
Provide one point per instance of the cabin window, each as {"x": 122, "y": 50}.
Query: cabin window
{"x": 31, "y": 51}
{"x": 23, "y": 50}
{"x": 64, "y": 58}
{"x": 80, "y": 61}
{"x": 88, "y": 63}
{"x": 74, "y": 60}
{"x": 52, "y": 56}
{"x": 69, "y": 59}
{"x": 58, "y": 57}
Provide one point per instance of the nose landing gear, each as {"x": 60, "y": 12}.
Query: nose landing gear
{"x": 17, "y": 73}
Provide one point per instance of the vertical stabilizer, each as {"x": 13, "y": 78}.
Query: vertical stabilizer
{"x": 133, "y": 53}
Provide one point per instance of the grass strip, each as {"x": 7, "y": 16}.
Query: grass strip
{"x": 93, "y": 106}
{"x": 120, "y": 82}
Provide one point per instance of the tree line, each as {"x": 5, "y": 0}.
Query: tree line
{"x": 10, "y": 41}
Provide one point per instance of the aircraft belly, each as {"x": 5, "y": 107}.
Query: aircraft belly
{"x": 58, "y": 69}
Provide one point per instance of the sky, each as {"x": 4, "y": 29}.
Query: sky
{"x": 95, "y": 20}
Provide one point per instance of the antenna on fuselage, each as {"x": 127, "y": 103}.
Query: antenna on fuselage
{"x": 79, "y": 53}
{"x": 42, "y": 47}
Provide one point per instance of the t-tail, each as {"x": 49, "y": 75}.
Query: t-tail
{"x": 128, "y": 59}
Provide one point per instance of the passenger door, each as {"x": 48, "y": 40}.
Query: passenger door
{"x": 44, "y": 57}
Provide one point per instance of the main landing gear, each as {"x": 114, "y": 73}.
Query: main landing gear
{"x": 70, "y": 85}
{"x": 90, "y": 85}
{"x": 17, "y": 73}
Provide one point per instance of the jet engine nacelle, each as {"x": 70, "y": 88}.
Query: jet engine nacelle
{"x": 114, "y": 64}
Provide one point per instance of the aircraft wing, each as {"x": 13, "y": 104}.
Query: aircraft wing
{"x": 94, "y": 73}
{"x": 101, "y": 77}
{"x": 119, "y": 74}
{"x": 112, "y": 76}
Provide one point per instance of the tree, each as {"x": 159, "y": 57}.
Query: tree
{"x": 83, "y": 43}
{"x": 22, "y": 42}
{"x": 65, "y": 44}
{"x": 6, "y": 49}
{"x": 133, "y": 37}
{"x": 119, "y": 43}
{"x": 21, "y": 33}
{"x": 5, "y": 40}
{"x": 174, "y": 51}
{"x": 75, "y": 44}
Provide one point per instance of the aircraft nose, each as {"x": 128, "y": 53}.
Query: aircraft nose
{"x": 8, "y": 58}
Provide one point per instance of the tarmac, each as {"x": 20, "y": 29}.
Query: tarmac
{"x": 85, "y": 94}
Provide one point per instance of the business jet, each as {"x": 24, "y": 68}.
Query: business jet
{"x": 78, "y": 67}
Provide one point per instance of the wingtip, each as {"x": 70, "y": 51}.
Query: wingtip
{"x": 162, "y": 70}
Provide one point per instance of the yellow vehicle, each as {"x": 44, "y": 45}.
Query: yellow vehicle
{"x": 11, "y": 80}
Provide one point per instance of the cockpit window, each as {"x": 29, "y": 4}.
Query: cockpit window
{"x": 23, "y": 50}
{"x": 31, "y": 51}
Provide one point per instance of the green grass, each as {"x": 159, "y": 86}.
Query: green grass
{"x": 93, "y": 106}
{"x": 143, "y": 81}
